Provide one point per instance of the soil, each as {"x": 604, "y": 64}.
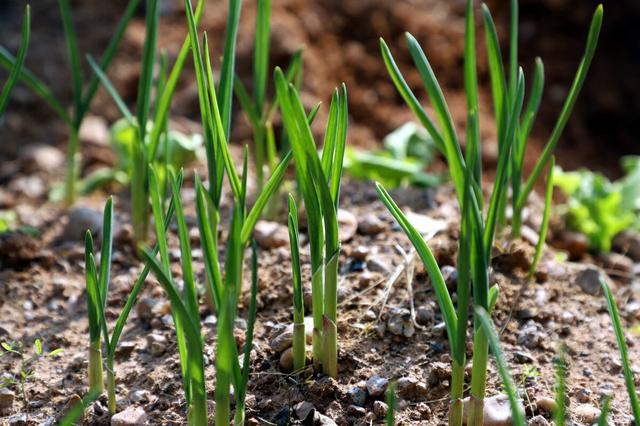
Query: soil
{"x": 42, "y": 279}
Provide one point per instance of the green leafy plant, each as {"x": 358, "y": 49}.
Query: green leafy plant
{"x": 319, "y": 181}
{"x": 477, "y": 232}
{"x": 223, "y": 291}
{"x": 299, "y": 334}
{"x": 151, "y": 141}
{"x": 76, "y": 412}
{"x": 624, "y": 355}
{"x": 184, "y": 305}
{"x": 81, "y": 99}
{"x": 27, "y": 364}
{"x": 97, "y": 286}
{"x": 546, "y": 216}
{"x": 391, "y": 404}
{"x": 408, "y": 150}
{"x": 599, "y": 208}
{"x": 503, "y": 368}
{"x": 16, "y": 67}
{"x": 257, "y": 109}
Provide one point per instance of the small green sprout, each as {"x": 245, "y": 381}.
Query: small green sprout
{"x": 27, "y": 364}
{"x": 477, "y": 231}
{"x": 81, "y": 98}
{"x": 299, "y": 334}
{"x": 319, "y": 181}
{"x": 16, "y": 67}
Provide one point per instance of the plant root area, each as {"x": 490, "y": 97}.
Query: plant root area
{"x": 389, "y": 324}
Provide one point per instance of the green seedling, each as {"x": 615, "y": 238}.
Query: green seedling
{"x": 391, "y": 404}
{"x": 81, "y": 98}
{"x": 477, "y": 231}
{"x": 503, "y": 369}
{"x": 151, "y": 143}
{"x": 560, "y": 414}
{"x": 299, "y": 333}
{"x": 319, "y": 181}
{"x": 546, "y": 216}
{"x": 27, "y": 364}
{"x": 16, "y": 67}
{"x": 258, "y": 110}
{"x": 97, "y": 286}
{"x": 599, "y": 208}
{"x": 624, "y": 354}
{"x": 223, "y": 291}
{"x": 407, "y": 151}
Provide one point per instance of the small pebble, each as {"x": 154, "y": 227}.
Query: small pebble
{"x": 360, "y": 253}
{"x": 129, "y": 417}
{"x": 425, "y": 315}
{"x": 156, "y": 344}
{"x": 271, "y": 235}
{"x": 357, "y": 396}
{"x": 546, "y": 404}
{"x": 376, "y": 264}
{"x": 539, "y": 421}
{"x": 589, "y": 281}
{"x": 497, "y": 411}
{"x": 80, "y": 220}
{"x": 303, "y": 409}
{"x": 400, "y": 323}
{"x": 380, "y": 409}
{"x": 376, "y": 385}
{"x": 282, "y": 341}
{"x": 19, "y": 419}
{"x": 347, "y": 225}
{"x": 286, "y": 360}
{"x": 139, "y": 396}
{"x": 370, "y": 224}
{"x": 586, "y": 413}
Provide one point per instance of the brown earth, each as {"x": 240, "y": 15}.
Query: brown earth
{"x": 42, "y": 280}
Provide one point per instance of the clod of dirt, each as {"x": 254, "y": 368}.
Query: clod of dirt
{"x": 18, "y": 248}
{"x": 79, "y": 220}
{"x": 589, "y": 281}
{"x": 6, "y": 399}
{"x": 615, "y": 262}
{"x": 410, "y": 388}
{"x": 347, "y": 225}
{"x": 497, "y": 411}
{"x": 129, "y": 417}
{"x": 574, "y": 243}
{"x": 370, "y": 224}
{"x": 628, "y": 243}
{"x": 271, "y": 234}
{"x": 586, "y": 413}
{"x": 376, "y": 385}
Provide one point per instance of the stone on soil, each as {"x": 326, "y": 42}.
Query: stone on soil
{"x": 347, "y": 225}
{"x": 129, "y": 417}
{"x": 271, "y": 235}
{"x": 370, "y": 224}
{"x": 589, "y": 281}
{"x": 376, "y": 385}
{"x": 497, "y": 411}
{"x": 587, "y": 413}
